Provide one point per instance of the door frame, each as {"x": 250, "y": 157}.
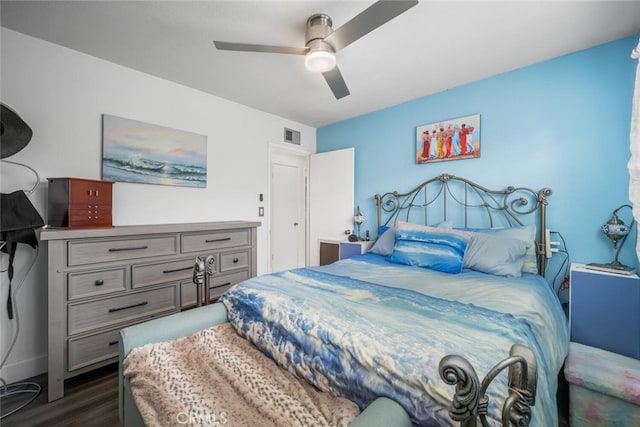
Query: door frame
{"x": 300, "y": 154}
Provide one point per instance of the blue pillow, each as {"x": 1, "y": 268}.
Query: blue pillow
{"x": 384, "y": 244}
{"x": 437, "y": 250}
{"x": 496, "y": 254}
{"x": 387, "y": 238}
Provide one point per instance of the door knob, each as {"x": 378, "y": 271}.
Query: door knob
{"x": 295, "y": 224}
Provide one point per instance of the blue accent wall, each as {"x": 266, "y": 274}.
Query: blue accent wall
{"x": 562, "y": 123}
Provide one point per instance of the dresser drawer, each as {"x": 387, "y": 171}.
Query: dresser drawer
{"x": 160, "y": 272}
{"x": 94, "y": 216}
{"x": 187, "y": 293}
{"x": 83, "y": 317}
{"x": 86, "y": 252}
{"x": 234, "y": 260}
{"x": 206, "y": 241}
{"x": 94, "y": 283}
{"x": 92, "y": 349}
{"x": 217, "y": 286}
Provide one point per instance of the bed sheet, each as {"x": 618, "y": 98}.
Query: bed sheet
{"x": 364, "y": 328}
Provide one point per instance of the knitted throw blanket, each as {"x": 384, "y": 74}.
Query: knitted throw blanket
{"x": 215, "y": 377}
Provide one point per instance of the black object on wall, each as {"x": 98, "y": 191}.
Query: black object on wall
{"x": 19, "y": 218}
{"x": 15, "y": 133}
{"x": 18, "y": 223}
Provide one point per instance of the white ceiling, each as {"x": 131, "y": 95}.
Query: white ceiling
{"x": 432, "y": 47}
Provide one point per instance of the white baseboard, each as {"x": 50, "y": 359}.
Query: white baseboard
{"x": 24, "y": 369}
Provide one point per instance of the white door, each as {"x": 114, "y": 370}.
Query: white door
{"x": 288, "y": 210}
{"x": 331, "y": 188}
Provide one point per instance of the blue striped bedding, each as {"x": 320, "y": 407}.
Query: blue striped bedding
{"x": 364, "y": 327}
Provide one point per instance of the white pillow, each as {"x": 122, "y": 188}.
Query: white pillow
{"x": 495, "y": 254}
{"x": 526, "y": 233}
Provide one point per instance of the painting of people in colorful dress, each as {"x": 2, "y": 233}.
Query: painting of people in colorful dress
{"x": 448, "y": 140}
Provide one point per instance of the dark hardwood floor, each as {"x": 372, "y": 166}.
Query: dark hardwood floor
{"x": 563, "y": 400}
{"x": 91, "y": 400}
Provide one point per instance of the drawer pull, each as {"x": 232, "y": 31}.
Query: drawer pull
{"x": 99, "y": 282}
{"x": 224, "y": 284}
{"x": 132, "y": 248}
{"x": 176, "y": 270}
{"x": 224, "y": 239}
{"x": 111, "y": 310}
{"x": 114, "y": 342}
{"x": 235, "y": 260}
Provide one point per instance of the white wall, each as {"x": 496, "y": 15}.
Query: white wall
{"x": 62, "y": 95}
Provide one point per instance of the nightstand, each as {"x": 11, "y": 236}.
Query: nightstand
{"x": 349, "y": 249}
{"x": 604, "y": 310}
{"x": 334, "y": 250}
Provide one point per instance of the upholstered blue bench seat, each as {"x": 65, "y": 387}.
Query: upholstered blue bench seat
{"x": 382, "y": 412}
{"x": 604, "y": 387}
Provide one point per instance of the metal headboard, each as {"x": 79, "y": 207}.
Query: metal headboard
{"x": 467, "y": 204}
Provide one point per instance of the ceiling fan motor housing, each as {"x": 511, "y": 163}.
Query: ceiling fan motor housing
{"x": 318, "y": 27}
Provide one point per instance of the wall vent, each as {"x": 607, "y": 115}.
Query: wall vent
{"x": 292, "y": 136}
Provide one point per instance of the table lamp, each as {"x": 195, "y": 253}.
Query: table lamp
{"x": 358, "y": 219}
{"x": 617, "y": 231}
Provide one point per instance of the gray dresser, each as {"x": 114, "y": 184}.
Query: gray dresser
{"x": 101, "y": 280}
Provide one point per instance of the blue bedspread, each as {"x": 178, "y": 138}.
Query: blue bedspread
{"x": 361, "y": 340}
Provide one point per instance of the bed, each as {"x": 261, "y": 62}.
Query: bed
{"x": 396, "y": 336}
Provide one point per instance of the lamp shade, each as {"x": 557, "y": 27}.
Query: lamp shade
{"x": 320, "y": 60}
{"x": 615, "y": 228}
{"x": 358, "y": 218}
{"x": 617, "y": 231}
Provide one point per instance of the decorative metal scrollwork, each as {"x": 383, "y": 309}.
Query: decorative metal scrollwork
{"x": 198, "y": 278}
{"x": 470, "y": 401}
{"x": 456, "y": 370}
{"x": 501, "y": 207}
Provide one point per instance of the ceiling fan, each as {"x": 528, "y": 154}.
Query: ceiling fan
{"x": 322, "y": 42}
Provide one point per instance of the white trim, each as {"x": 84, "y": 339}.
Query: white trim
{"x": 24, "y": 369}
{"x": 634, "y": 145}
{"x": 287, "y": 148}
{"x": 294, "y": 151}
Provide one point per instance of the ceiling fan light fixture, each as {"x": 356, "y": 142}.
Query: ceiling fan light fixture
{"x": 320, "y": 61}
{"x": 321, "y": 42}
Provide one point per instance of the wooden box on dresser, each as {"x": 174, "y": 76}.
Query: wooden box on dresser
{"x": 101, "y": 280}
{"x": 79, "y": 203}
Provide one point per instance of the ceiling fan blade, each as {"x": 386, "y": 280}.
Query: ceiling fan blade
{"x": 336, "y": 83}
{"x": 368, "y": 20}
{"x": 246, "y": 47}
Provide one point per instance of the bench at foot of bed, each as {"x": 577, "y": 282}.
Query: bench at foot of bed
{"x": 382, "y": 412}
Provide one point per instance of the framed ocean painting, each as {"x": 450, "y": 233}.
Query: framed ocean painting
{"x": 134, "y": 151}
{"x": 448, "y": 140}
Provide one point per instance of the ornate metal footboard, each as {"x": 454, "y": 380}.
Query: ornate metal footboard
{"x": 471, "y": 402}
{"x": 447, "y": 197}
